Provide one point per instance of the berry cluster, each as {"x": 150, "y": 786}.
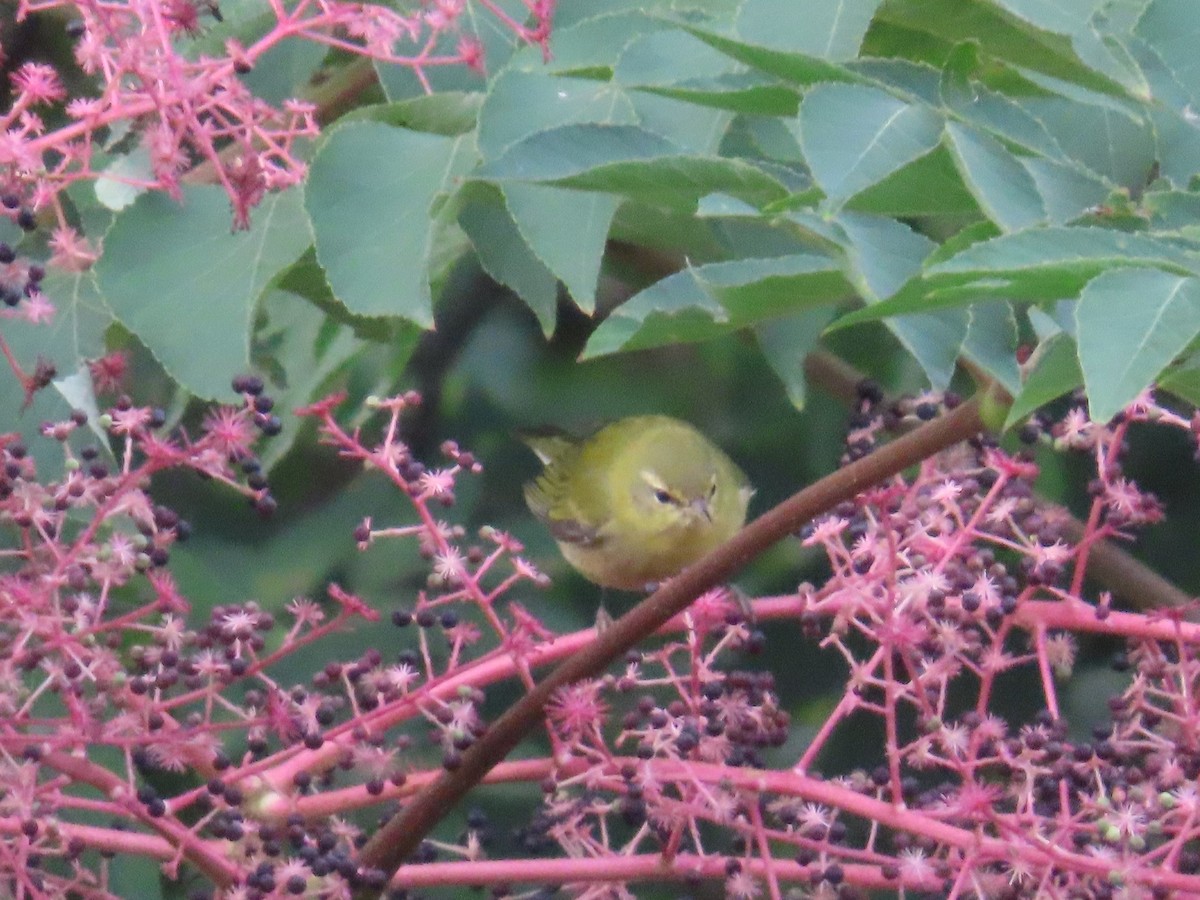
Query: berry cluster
{"x": 946, "y": 589}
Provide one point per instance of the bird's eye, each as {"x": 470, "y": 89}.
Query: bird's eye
{"x": 712, "y": 488}
{"x": 663, "y": 496}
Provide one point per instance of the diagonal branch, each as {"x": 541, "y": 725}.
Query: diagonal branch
{"x": 401, "y": 835}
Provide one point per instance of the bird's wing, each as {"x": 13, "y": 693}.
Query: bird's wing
{"x": 548, "y": 499}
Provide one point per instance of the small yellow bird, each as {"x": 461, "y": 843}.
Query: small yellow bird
{"x": 638, "y": 500}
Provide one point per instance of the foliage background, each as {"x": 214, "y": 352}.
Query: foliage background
{"x": 989, "y": 174}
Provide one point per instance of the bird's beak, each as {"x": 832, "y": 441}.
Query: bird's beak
{"x": 700, "y": 505}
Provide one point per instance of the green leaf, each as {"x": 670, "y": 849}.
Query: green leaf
{"x": 1172, "y": 30}
{"x": 934, "y": 340}
{"x": 450, "y": 114}
{"x": 369, "y": 194}
{"x": 308, "y": 347}
{"x": 797, "y": 68}
{"x": 1183, "y": 382}
{"x": 1053, "y": 371}
{"x": 885, "y": 254}
{"x": 566, "y": 230}
{"x": 991, "y": 343}
{"x": 1097, "y": 133}
{"x": 1037, "y": 264}
{"x": 121, "y": 182}
{"x": 1004, "y": 190}
{"x": 915, "y": 81}
{"x": 285, "y": 69}
{"x": 629, "y": 160}
{"x": 570, "y": 150}
{"x": 1074, "y": 18}
{"x": 668, "y": 58}
{"x": 1173, "y": 210}
{"x": 1047, "y": 263}
{"x": 73, "y": 336}
{"x": 744, "y": 93}
{"x": 832, "y": 30}
{"x": 787, "y": 341}
{"x": 701, "y": 302}
{"x": 696, "y": 129}
{"x": 521, "y": 104}
{"x": 1131, "y": 324}
{"x": 1009, "y": 39}
{"x": 1178, "y": 141}
{"x": 930, "y": 186}
{"x": 505, "y": 255}
{"x": 1066, "y": 189}
{"x": 591, "y": 45}
{"x": 196, "y": 289}
{"x": 854, "y": 136}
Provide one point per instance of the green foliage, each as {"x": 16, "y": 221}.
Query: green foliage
{"x": 948, "y": 169}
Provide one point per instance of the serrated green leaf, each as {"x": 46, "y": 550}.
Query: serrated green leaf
{"x": 1172, "y": 210}
{"x": 1009, "y": 39}
{"x": 1066, "y": 189}
{"x": 1171, "y": 29}
{"x": 934, "y": 340}
{"x": 699, "y": 130}
{"x": 520, "y": 104}
{"x": 73, "y": 336}
{"x": 1183, "y": 382}
{"x": 369, "y": 195}
{"x": 592, "y": 44}
{"x": 916, "y": 81}
{"x": 854, "y": 136}
{"x": 668, "y": 58}
{"x": 832, "y": 30}
{"x": 1043, "y": 261}
{"x": 930, "y": 186}
{"x": 744, "y": 93}
{"x": 1053, "y": 370}
{"x": 559, "y": 153}
{"x": 1105, "y": 137}
{"x": 1130, "y": 325}
{"x": 566, "y": 230}
{"x": 504, "y": 254}
{"x": 884, "y": 254}
{"x": 451, "y": 113}
{"x": 1074, "y": 19}
{"x": 786, "y": 342}
{"x": 629, "y": 160}
{"x": 991, "y": 343}
{"x": 177, "y": 277}
{"x": 1178, "y": 141}
{"x": 1037, "y": 264}
{"x": 1004, "y": 190}
{"x": 798, "y": 68}
{"x": 120, "y": 184}
{"x": 701, "y": 302}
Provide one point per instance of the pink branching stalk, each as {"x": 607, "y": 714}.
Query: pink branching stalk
{"x": 187, "y": 108}
{"x": 945, "y": 588}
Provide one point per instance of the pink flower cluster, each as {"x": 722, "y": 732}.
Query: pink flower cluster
{"x": 188, "y": 108}
{"x": 948, "y": 590}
